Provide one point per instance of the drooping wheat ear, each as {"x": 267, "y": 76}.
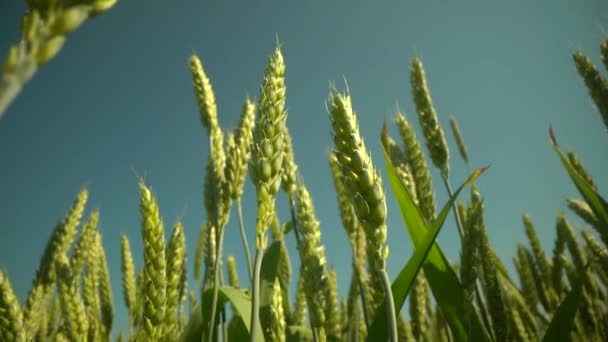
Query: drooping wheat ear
{"x": 539, "y": 254}
{"x": 57, "y": 245}
{"x": 201, "y": 250}
{"x": 363, "y": 185}
{"x": 277, "y": 320}
{"x": 290, "y": 168}
{"x": 582, "y": 210}
{"x": 176, "y": 258}
{"x": 462, "y": 148}
{"x": 299, "y": 311}
{"x": 578, "y": 166}
{"x": 418, "y": 305}
{"x": 432, "y": 131}
{"x": 243, "y": 138}
{"x": 312, "y": 254}
{"x": 154, "y": 291}
{"x": 333, "y": 324}
{"x": 75, "y": 320}
{"x": 596, "y": 84}
{"x": 420, "y": 170}
{"x": 268, "y": 143}
{"x": 528, "y": 288}
{"x": 493, "y": 292}
{"x": 11, "y": 323}
{"x": 105, "y": 289}
{"x": 81, "y": 249}
{"x": 128, "y": 276}
{"x": 399, "y": 162}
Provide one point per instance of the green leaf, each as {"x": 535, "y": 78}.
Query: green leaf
{"x": 268, "y": 274}
{"x": 193, "y": 332}
{"x": 296, "y": 333}
{"x": 402, "y": 285}
{"x": 444, "y": 282}
{"x": 239, "y": 298}
{"x": 594, "y": 200}
{"x": 563, "y": 320}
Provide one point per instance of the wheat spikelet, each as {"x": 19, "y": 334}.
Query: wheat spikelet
{"x": 81, "y": 249}
{"x": 399, "y": 163}
{"x": 433, "y": 134}
{"x": 462, "y": 148}
{"x": 404, "y": 329}
{"x": 267, "y": 154}
{"x": 333, "y": 324}
{"x": 598, "y": 250}
{"x": 299, "y": 311}
{"x": 90, "y": 291}
{"x": 11, "y": 323}
{"x": 347, "y": 213}
{"x": 128, "y": 276}
{"x": 176, "y": 258}
{"x": 312, "y": 254}
{"x": 105, "y": 288}
{"x": 469, "y": 254}
{"x": 418, "y": 308}
{"x": 290, "y": 168}
{"x": 277, "y": 320}
{"x": 539, "y": 255}
{"x": 154, "y": 291}
{"x": 582, "y": 210}
{"x": 243, "y": 138}
{"x": 420, "y": 170}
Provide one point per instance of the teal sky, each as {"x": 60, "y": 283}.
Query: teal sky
{"x": 118, "y": 97}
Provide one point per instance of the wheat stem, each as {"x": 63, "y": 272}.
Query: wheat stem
{"x": 255, "y": 302}
{"x": 244, "y": 238}
{"x": 390, "y": 307}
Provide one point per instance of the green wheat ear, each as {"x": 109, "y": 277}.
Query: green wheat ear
{"x": 105, "y": 289}
{"x": 154, "y": 291}
{"x": 128, "y": 276}
{"x": 595, "y": 83}
{"x": 462, "y": 147}
{"x": 176, "y": 258}
{"x": 72, "y": 307}
{"x": 11, "y": 323}
{"x": 433, "y": 133}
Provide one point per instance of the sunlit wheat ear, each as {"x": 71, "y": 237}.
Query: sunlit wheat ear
{"x": 400, "y": 164}
{"x": 277, "y": 320}
{"x": 72, "y": 307}
{"x": 582, "y": 210}
{"x": 559, "y": 247}
{"x": 128, "y": 275}
{"x": 90, "y": 291}
{"x": 333, "y": 324}
{"x": 243, "y": 138}
{"x": 361, "y": 180}
{"x": 462, "y": 147}
{"x": 312, "y": 254}
{"x": 300, "y": 309}
{"x": 469, "y": 253}
{"x": 105, "y": 289}
{"x": 573, "y": 246}
{"x": 420, "y": 170}
{"x": 595, "y": 83}
{"x": 154, "y": 289}
{"x": 233, "y": 275}
{"x": 404, "y": 329}
{"x": 597, "y": 250}
{"x": 211, "y": 252}
{"x": 201, "y": 250}
{"x": 267, "y": 154}
{"x": 418, "y": 304}
{"x": 57, "y": 245}
{"x": 519, "y": 329}
{"x": 176, "y": 257}
{"x": 11, "y": 323}
{"x": 347, "y": 212}
{"x": 539, "y": 254}
{"x": 290, "y": 168}
{"x": 578, "y": 166}
{"x": 81, "y": 248}
{"x": 432, "y": 131}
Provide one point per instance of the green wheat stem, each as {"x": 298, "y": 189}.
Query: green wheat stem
{"x": 244, "y": 238}
{"x": 216, "y": 286}
{"x": 255, "y": 302}
{"x": 390, "y": 307}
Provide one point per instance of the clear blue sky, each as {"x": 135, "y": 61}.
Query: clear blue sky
{"x": 118, "y": 97}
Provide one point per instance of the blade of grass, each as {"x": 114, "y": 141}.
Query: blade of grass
{"x": 403, "y": 283}
{"x": 563, "y": 320}
{"x": 444, "y": 282}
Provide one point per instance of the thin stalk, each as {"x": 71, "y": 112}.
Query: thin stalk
{"x": 255, "y": 312}
{"x": 390, "y": 306}
{"x": 315, "y": 335}
{"x": 216, "y": 282}
{"x": 482, "y": 308}
{"x": 244, "y": 238}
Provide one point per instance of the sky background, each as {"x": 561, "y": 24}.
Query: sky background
{"x": 119, "y": 98}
